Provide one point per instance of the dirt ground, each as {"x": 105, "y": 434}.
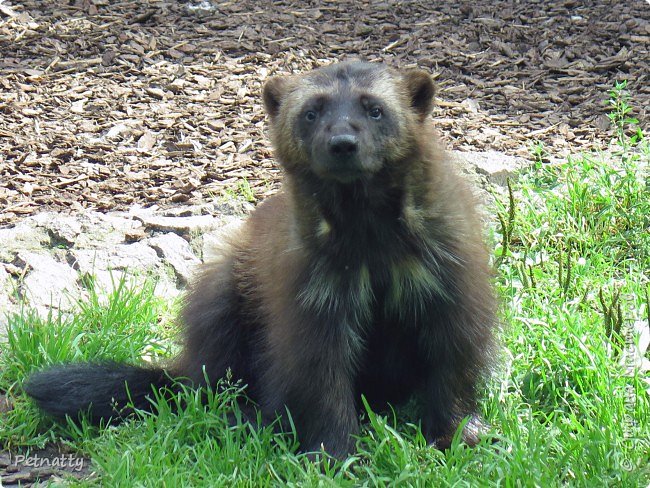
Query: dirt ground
{"x": 106, "y": 104}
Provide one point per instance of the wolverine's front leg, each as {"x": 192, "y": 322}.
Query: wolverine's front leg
{"x": 457, "y": 340}
{"x": 320, "y": 399}
{"x": 310, "y": 371}
{"x": 314, "y": 324}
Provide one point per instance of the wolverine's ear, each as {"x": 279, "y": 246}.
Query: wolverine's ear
{"x": 274, "y": 90}
{"x": 421, "y": 90}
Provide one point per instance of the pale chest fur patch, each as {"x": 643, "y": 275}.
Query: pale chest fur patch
{"x": 412, "y": 286}
{"x": 348, "y": 293}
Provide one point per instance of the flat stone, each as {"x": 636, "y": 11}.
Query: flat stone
{"x": 231, "y": 208}
{"x": 5, "y": 289}
{"x": 177, "y": 252}
{"x": 47, "y": 284}
{"x": 24, "y": 236}
{"x": 166, "y": 287}
{"x": 179, "y": 225}
{"x": 136, "y": 256}
{"x": 104, "y": 230}
{"x": 44, "y": 256}
{"x": 109, "y": 266}
{"x": 130, "y": 262}
{"x": 496, "y": 166}
{"x": 62, "y": 230}
{"x": 89, "y": 229}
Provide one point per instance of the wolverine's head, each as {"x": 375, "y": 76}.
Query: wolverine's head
{"x": 348, "y": 120}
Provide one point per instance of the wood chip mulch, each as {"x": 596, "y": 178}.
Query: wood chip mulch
{"x": 108, "y": 104}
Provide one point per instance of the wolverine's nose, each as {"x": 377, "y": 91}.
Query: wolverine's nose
{"x": 343, "y": 145}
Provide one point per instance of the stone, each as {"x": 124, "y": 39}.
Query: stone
{"x": 495, "y": 166}
{"x": 6, "y": 285}
{"x": 109, "y": 266}
{"x": 62, "y": 230}
{"x": 24, "y": 236}
{"x": 179, "y": 225}
{"x": 177, "y": 252}
{"x": 45, "y": 257}
{"x": 104, "y": 230}
{"x": 135, "y": 256}
{"x": 47, "y": 284}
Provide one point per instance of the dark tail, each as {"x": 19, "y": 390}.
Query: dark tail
{"x": 103, "y": 390}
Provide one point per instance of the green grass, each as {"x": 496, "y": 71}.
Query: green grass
{"x": 120, "y": 327}
{"x": 573, "y": 266}
{"x": 243, "y": 191}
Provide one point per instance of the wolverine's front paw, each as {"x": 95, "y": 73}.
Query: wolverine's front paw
{"x": 473, "y": 431}
{"x": 337, "y": 449}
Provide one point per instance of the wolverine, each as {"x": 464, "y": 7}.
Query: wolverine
{"x": 366, "y": 275}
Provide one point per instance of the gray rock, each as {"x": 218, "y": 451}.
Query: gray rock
{"x": 83, "y": 230}
{"x": 231, "y": 208}
{"x": 166, "y": 287}
{"x": 62, "y": 230}
{"x": 6, "y": 284}
{"x": 179, "y": 225}
{"x": 497, "y": 167}
{"x": 104, "y": 230}
{"x": 130, "y": 262}
{"x": 136, "y": 257}
{"x": 109, "y": 266}
{"x": 24, "y": 236}
{"x": 47, "y": 284}
{"x": 183, "y": 211}
{"x": 177, "y": 252}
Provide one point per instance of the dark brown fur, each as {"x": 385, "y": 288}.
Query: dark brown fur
{"x": 366, "y": 275}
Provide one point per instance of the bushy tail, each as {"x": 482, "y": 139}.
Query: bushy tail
{"x": 103, "y": 390}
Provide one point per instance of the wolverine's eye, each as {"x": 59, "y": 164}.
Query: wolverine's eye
{"x": 375, "y": 113}
{"x": 310, "y": 116}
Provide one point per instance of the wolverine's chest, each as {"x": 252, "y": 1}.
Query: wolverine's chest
{"x": 368, "y": 265}
{"x": 398, "y": 287}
